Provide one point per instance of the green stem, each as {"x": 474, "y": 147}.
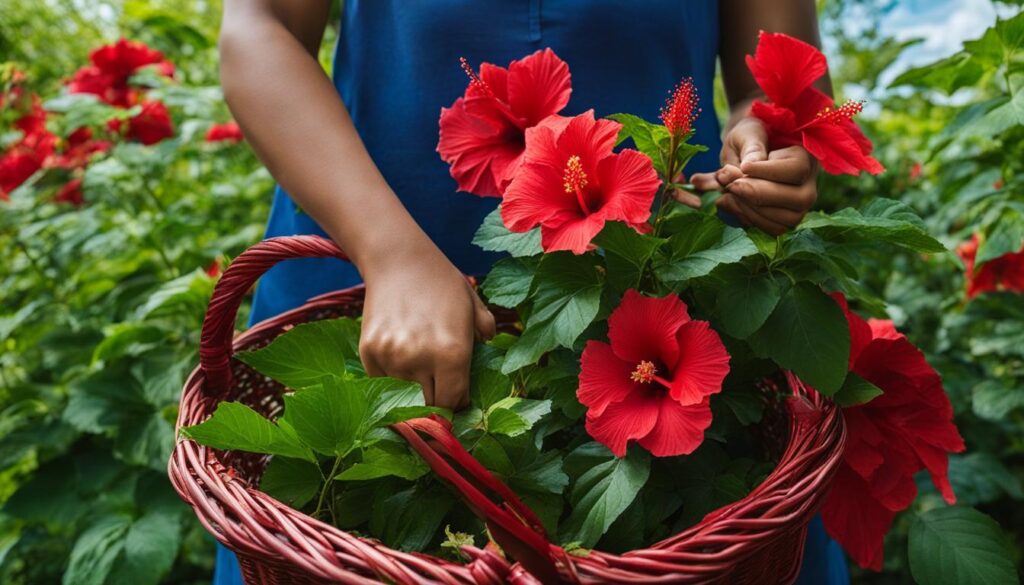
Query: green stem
{"x": 327, "y": 484}
{"x": 673, "y": 145}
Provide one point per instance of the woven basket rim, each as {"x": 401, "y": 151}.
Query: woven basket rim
{"x": 253, "y": 523}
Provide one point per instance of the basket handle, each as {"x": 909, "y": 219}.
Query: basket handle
{"x": 511, "y": 523}
{"x": 215, "y": 345}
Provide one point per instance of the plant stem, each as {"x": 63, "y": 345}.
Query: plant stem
{"x": 670, "y": 175}
{"x": 327, "y": 484}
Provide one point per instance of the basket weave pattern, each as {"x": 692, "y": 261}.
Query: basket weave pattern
{"x": 758, "y": 539}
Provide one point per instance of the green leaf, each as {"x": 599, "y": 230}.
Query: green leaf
{"x": 993, "y": 400}
{"x": 292, "y": 481}
{"x": 627, "y": 253}
{"x": 486, "y": 382}
{"x": 980, "y": 478}
{"x": 301, "y": 357}
{"x": 508, "y": 283}
{"x": 493, "y": 236}
{"x": 382, "y": 463}
{"x": 699, "y": 244}
{"x": 566, "y": 301}
{"x": 409, "y": 519}
{"x": 601, "y": 494}
{"x": 185, "y": 295}
{"x": 1007, "y": 113}
{"x": 881, "y": 220}
{"x": 856, "y": 390}
{"x": 150, "y": 548}
{"x": 808, "y": 334}
{"x": 328, "y": 417}
{"x": 393, "y": 400}
{"x": 513, "y": 416}
{"x": 1005, "y": 236}
{"x": 957, "y": 545}
{"x": 646, "y": 136}
{"x": 96, "y": 550}
{"x": 743, "y": 305}
{"x": 238, "y": 427}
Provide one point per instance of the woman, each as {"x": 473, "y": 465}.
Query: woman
{"x": 363, "y": 170}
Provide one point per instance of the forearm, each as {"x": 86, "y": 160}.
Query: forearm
{"x": 291, "y": 114}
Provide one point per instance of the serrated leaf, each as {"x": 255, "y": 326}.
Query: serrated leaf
{"x": 508, "y": 283}
{"x": 1005, "y": 236}
{"x": 238, "y": 427}
{"x": 302, "y": 356}
{"x": 292, "y": 481}
{"x": 981, "y": 478}
{"x": 602, "y": 493}
{"x": 627, "y": 253}
{"x": 409, "y": 519}
{"x": 150, "y": 548}
{"x": 882, "y": 220}
{"x": 328, "y": 417}
{"x": 808, "y": 334}
{"x": 514, "y": 416}
{"x": 699, "y": 244}
{"x": 744, "y": 304}
{"x": 96, "y": 550}
{"x": 993, "y": 400}
{"x": 959, "y": 546}
{"x": 493, "y": 236}
{"x": 381, "y": 463}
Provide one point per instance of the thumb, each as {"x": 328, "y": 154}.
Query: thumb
{"x": 486, "y": 328}
{"x": 750, "y": 141}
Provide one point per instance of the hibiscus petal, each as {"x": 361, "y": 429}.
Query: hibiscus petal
{"x": 626, "y": 420}
{"x": 679, "y": 430}
{"x": 535, "y": 197}
{"x": 860, "y": 332}
{"x": 538, "y": 86}
{"x": 496, "y": 78}
{"x": 884, "y": 329}
{"x": 644, "y": 328}
{"x": 703, "y": 363}
{"x": 837, "y": 150}
{"x": 936, "y": 461}
{"x": 628, "y": 185}
{"x": 604, "y": 378}
{"x": 573, "y": 235}
{"x": 784, "y": 66}
{"x": 856, "y": 520}
{"x": 478, "y": 153}
{"x": 591, "y": 140}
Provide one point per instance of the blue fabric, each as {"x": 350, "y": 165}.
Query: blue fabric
{"x": 396, "y": 66}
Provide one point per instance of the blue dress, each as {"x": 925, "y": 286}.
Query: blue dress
{"x": 397, "y": 63}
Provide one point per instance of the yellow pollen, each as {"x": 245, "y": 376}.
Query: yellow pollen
{"x": 643, "y": 373}
{"x": 574, "y": 179}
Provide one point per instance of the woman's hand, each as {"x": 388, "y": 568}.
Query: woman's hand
{"x": 419, "y": 322}
{"x": 769, "y": 190}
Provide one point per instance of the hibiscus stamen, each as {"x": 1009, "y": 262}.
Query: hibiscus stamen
{"x": 474, "y": 79}
{"x": 681, "y": 108}
{"x": 646, "y": 372}
{"x": 841, "y": 114}
{"x": 574, "y": 180}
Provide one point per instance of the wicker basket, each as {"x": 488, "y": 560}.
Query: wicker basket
{"x": 758, "y": 539}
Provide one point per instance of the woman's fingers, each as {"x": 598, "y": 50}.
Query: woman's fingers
{"x": 766, "y": 193}
{"x": 484, "y": 323}
{"x": 704, "y": 182}
{"x": 686, "y": 198}
{"x": 791, "y": 165}
{"x": 758, "y": 217}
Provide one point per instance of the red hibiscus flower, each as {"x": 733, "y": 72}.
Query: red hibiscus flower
{"x": 78, "y": 149}
{"x": 71, "y": 193}
{"x": 799, "y": 114}
{"x": 112, "y": 66}
{"x": 150, "y": 126}
{"x": 652, "y": 383}
{"x": 1003, "y": 273}
{"x": 227, "y": 132}
{"x": 906, "y": 429}
{"x": 26, "y": 156}
{"x": 483, "y": 134}
{"x": 570, "y": 183}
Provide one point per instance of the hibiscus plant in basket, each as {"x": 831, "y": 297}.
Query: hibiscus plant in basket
{"x": 637, "y": 387}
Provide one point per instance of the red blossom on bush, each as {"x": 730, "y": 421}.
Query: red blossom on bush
{"x": 150, "y": 126}
{"x": 799, "y": 114}
{"x": 71, "y": 193}
{"x": 112, "y": 66}
{"x": 889, "y": 439}
{"x": 483, "y": 134}
{"x": 570, "y": 183}
{"x": 78, "y": 149}
{"x": 652, "y": 383}
{"x": 1003, "y": 273}
{"x": 915, "y": 171}
{"x": 681, "y": 109}
{"x": 27, "y": 155}
{"x": 227, "y": 132}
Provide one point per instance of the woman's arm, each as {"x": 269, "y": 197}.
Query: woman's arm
{"x": 770, "y": 190}
{"x": 420, "y": 315}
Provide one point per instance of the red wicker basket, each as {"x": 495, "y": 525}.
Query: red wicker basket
{"x": 758, "y": 539}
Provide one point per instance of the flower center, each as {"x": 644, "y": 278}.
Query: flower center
{"x": 646, "y": 372}
{"x": 841, "y": 114}
{"x": 574, "y": 180}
